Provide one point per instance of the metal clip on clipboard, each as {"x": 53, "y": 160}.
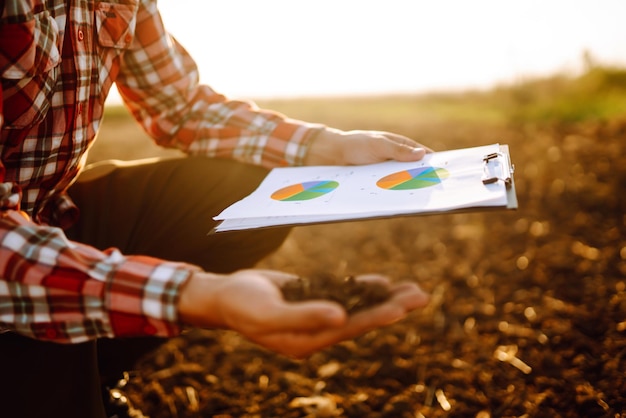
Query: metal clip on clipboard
{"x": 492, "y": 162}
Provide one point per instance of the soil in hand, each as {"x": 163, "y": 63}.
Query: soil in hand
{"x": 354, "y": 295}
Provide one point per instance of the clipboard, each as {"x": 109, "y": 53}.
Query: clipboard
{"x": 462, "y": 180}
{"x": 498, "y": 167}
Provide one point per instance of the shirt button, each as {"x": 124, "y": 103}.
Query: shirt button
{"x": 128, "y": 37}
{"x": 81, "y": 35}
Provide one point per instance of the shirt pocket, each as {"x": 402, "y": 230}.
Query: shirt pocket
{"x": 29, "y": 67}
{"x": 116, "y": 23}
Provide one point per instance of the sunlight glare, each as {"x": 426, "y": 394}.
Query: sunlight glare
{"x": 279, "y": 48}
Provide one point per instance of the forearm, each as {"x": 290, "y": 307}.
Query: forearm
{"x": 59, "y": 290}
{"x": 159, "y": 82}
{"x": 236, "y": 129}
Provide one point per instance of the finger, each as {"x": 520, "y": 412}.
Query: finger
{"x": 307, "y": 316}
{"x": 406, "y": 297}
{"x": 405, "y": 154}
{"x": 400, "y": 150}
{"x": 302, "y": 344}
{"x": 409, "y": 295}
{"x": 401, "y": 139}
{"x": 372, "y": 278}
{"x": 276, "y": 276}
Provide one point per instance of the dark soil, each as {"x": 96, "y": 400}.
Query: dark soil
{"x": 527, "y": 314}
{"x": 354, "y": 295}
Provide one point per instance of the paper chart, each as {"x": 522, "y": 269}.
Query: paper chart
{"x": 441, "y": 181}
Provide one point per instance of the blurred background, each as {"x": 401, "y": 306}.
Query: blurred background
{"x": 528, "y": 310}
{"x": 282, "y": 48}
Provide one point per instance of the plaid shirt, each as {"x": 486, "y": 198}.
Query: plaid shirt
{"x": 57, "y": 65}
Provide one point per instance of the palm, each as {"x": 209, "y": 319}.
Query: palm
{"x": 251, "y": 303}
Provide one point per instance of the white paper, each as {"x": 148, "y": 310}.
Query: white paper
{"x": 441, "y": 181}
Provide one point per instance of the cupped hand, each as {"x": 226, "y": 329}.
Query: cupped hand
{"x": 336, "y": 147}
{"x": 251, "y": 303}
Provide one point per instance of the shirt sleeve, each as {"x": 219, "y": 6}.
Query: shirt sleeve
{"x": 59, "y": 290}
{"x": 54, "y": 289}
{"x": 159, "y": 82}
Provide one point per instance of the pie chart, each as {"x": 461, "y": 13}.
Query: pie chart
{"x": 305, "y": 191}
{"x": 416, "y": 178}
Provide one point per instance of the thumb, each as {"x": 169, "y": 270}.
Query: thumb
{"x": 404, "y": 153}
{"x": 386, "y": 146}
{"x": 402, "y": 148}
{"x": 308, "y": 316}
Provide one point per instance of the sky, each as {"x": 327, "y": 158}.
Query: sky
{"x": 289, "y": 48}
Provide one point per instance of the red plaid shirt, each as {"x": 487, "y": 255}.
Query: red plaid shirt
{"x": 57, "y": 65}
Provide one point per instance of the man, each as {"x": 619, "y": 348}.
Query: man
{"x": 121, "y": 257}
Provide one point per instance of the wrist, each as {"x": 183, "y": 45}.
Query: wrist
{"x": 323, "y": 149}
{"x": 196, "y": 304}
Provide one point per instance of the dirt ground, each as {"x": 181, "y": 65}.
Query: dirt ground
{"x": 527, "y": 317}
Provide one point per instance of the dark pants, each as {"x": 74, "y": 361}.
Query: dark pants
{"x": 159, "y": 208}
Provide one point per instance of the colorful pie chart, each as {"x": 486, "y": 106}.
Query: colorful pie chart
{"x": 416, "y": 178}
{"x": 305, "y": 191}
